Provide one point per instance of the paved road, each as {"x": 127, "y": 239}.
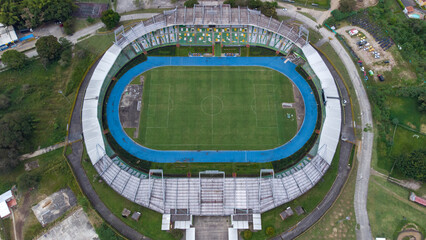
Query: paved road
{"x": 366, "y": 145}
{"x": 75, "y": 161}
{"x": 343, "y": 172}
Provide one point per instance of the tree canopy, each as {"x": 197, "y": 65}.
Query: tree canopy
{"x": 14, "y": 59}
{"x": 15, "y": 128}
{"x": 266, "y": 8}
{"x": 48, "y": 48}
{"x": 413, "y": 164}
{"x": 32, "y": 13}
{"x": 190, "y": 3}
{"x": 110, "y": 18}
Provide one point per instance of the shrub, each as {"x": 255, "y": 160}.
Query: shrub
{"x": 270, "y": 231}
{"x": 90, "y": 20}
{"x": 110, "y": 18}
{"x": 69, "y": 27}
{"x": 29, "y": 180}
{"x": 412, "y": 165}
{"x": 190, "y": 3}
{"x": 247, "y": 234}
{"x": 14, "y": 59}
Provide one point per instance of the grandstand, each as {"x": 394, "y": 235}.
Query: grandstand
{"x": 206, "y": 25}
{"x": 211, "y": 194}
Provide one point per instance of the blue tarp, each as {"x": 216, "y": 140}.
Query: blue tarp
{"x": 283, "y": 151}
{"x": 26, "y": 37}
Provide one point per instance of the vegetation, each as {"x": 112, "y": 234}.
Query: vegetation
{"x": 412, "y": 164}
{"x": 347, "y": 5}
{"x": 257, "y": 121}
{"x": 267, "y": 8}
{"x": 309, "y": 201}
{"x": 339, "y": 221}
{"x": 106, "y": 233}
{"x": 389, "y": 208}
{"x": 48, "y": 48}
{"x": 190, "y": 3}
{"x": 15, "y": 128}
{"x": 14, "y": 59}
{"x": 247, "y": 234}
{"x": 32, "y": 13}
{"x": 110, "y": 18}
{"x": 150, "y": 221}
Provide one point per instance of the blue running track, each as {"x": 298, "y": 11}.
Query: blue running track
{"x": 283, "y": 151}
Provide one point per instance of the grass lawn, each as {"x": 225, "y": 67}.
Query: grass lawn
{"x": 322, "y": 3}
{"x": 389, "y": 208}
{"x": 400, "y": 106}
{"x": 215, "y": 108}
{"x": 34, "y": 90}
{"x": 308, "y": 201}
{"x": 405, "y": 141}
{"x": 150, "y": 222}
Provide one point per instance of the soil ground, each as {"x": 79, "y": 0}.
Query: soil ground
{"x": 367, "y": 57}
{"x": 21, "y": 215}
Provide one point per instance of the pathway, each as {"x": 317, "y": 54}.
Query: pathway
{"x": 366, "y": 144}
{"x": 41, "y": 151}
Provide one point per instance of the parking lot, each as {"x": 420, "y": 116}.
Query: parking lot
{"x": 367, "y": 56}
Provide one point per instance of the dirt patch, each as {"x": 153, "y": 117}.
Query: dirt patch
{"x": 411, "y": 125}
{"x": 367, "y": 57}
{"x": 131, "y": 106}
{"x": 365, "y": 3}
{"x": 411, "y": 234}
{"x": 21, "y": 215}
{"x": 299, "y": 105}
{"x": 31, "y": 165}
{"x": 423, "y": 128}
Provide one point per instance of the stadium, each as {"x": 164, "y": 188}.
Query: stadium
{"x": 219, "y": 104}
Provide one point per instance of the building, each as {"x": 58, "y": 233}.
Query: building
{"x": 7, "y": 36}
{"x": 408, "y": 10}
{"x": 421, "y": 2}
{"x": 7, "y": 201}
{"x": 417, "y": 199}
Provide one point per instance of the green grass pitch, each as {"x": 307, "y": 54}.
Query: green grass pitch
{"x": 215, "y": 108}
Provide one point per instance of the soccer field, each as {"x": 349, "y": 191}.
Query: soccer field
{"x": 215, "y": 108}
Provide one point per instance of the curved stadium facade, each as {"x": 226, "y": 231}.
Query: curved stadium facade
{"x": 206, "y": 195}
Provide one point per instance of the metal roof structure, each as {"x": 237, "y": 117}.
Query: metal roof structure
{"x": 209, "y": 196}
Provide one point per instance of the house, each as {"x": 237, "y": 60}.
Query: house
{"x": 421, "y": 2}
{"x": 417, "y": 199}
{"x": 7, "y": 201}
{"x": 7, "y": 36}
{"x": 408, "y": 10}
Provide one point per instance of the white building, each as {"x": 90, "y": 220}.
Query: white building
{"x": 7, "y": 36}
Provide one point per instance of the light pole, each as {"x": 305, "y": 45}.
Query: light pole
{"x": 60, "y": 91}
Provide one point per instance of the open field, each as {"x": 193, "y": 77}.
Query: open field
{"x": 389, "y": 208}
{"x": 216, "y": 108}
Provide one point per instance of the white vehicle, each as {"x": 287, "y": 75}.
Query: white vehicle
{"x": 284, "y": 9}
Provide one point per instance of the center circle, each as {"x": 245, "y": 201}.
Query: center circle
{"x": 211, "y": 105}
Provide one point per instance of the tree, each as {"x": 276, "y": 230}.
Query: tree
{"x": 190, "y": 3}
{"x": 412, "y": 165}
{"x": 15, "y": 129}
{"x": 32, "y": 13}
{"x": 422, "y": 103}
{"x": 14, "y": 59}
{"x": 347, "y": 5}
{"x": 48, "y": 48}
{"x": 270, "y": 231}
{"x": 110, "y": 18}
